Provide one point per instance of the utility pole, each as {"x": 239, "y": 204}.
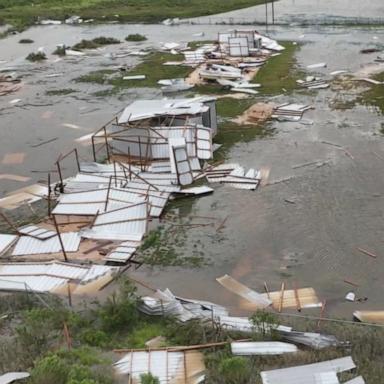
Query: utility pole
{"x": 266, "y": 15}
{"x": 273, "y": 12}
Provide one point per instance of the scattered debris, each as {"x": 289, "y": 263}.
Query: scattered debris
{"x": 370, "y": 254}
{"x": 290, "y": 112}
{"x": 350, "y": 296}
{"x": 174, "y": 85}
{"x": 10, "y": 377}
{"x": 312, "y": 82}
{"x": 318, "y": 65}
{"x": 134, "y": 77}
{"x": 370, "y": 50}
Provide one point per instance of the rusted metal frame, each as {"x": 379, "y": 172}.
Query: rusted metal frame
{"x": 139, "y": 177}
{"x": 129, "y": 165}
{"x": 177, "y": 171}
{"x": 266, "y": 289}
{"x": 49, "y": 195}
{"x": 297, "y": 298}
{"x": 324, "y": 303}
{"x": 121, "y": 208}
{"x": 114, "y": 171}
{"x": 140, "y": 154}
{"x": 250, "y": 182}
{"x": 106, "y": 143}
{"x": 98, "y": 246}
{"x": 185, "y": 368}
{"x": 146, "y": 152}
{"x": 108, "y": 191}
{"x": 59, "y": 237}
{"x": 92, "y": 223}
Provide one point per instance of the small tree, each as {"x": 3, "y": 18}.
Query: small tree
{"x": 148, "y": 378}
{"x": 264, "y": 324}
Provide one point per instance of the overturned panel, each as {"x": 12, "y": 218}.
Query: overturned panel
{"x": 27, "y": 245}
{"x": 182, "y": 165}
{"x": 126, "y": 224}
{"x": 262, "y": 348}
{"x": 170, "y": 367}
{"x": 318, "y": 373}
{"x": 6, "y": 241}
{"x": 37, "y": 232}
{"x": 238, "y": 46}
{"x": 234, "y": 286}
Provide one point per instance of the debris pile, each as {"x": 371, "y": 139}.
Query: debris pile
{"x": 290, "y": 112}
{"x": 313, "y": 82}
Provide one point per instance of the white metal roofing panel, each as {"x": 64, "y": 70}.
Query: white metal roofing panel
{"x": 197, "y": 190}
{"x": 238, "y": 46}
{"x": 128, "y": 223}
{"x": 356, "y": 380}
{"x": 13, "y": 376}
{"x": 262, "y": 348}
{"x": 304, "y": 374}
{"x": 96, "y": 271}
{"x": 6, "y": 241}
{"x": 244, "y": 324}
{"x": 30, "y": 246}
{"x": 34, "y": 283}
{"x": 35, "y": 231}
{"x": 144, "y": 109}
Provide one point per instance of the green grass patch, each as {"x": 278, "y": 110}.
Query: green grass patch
{"x": 135, "y": 37}
{"x": 375, "y": 95}
{"x": 280, "y": 73}
{"x": 59, "y": 51}
{"x": 152, "y": 67}
{"x": 60, "y": 92}
{"x": 229, "y": 107}
{"x": 23, "y": 13}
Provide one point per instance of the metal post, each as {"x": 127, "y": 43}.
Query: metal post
{"x": 49, "y": 195}
{"x": 106, "y": 143}
{"x": 93, "y": 148}
{"x": 107, "y": 197}
{"x": 77, "y": 159}
{"x": 273, "y": 12}
{"x": 266, "y": 15}
{"x": 141, "y": 164}
{"x": 59, "y": 236}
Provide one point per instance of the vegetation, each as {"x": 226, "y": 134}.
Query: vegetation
{"x": 60, "y": 92}
{"x": 39, "y": 56}
{"x": 279, "y": 74}
{"x": 26, "y": 41}
{"x": 147, "y": 378}
{"x": 95, "y": 43}
{"x": 23, "y": 13}
{"x": 152, "y": 67}
{"x": 374, "y": 96}
{"x": 135, "y": 37}
{"x": 60, "y": 50}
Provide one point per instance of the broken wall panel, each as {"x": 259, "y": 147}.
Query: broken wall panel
{"x": 182, "y": 165}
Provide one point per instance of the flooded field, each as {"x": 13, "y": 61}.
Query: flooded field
{"x": 305, "y": 229}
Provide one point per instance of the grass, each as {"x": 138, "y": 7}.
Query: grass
{"x": 23, "y": 13}
{"x": 152, "y": 67}
{"x": 375, "y": 95}
{"x": 135, "y": 37}
{"x": 279, "y": 74}
{"x": 60, "y": 92}
{"x": 59, "y": 51}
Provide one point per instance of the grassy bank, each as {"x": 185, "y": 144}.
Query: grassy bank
{"x": 22, "y": 13}
{"x": 280, "y": 73}
{"x": 375, "y": 95}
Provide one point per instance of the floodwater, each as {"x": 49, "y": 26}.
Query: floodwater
{"x": 336, "y": 207}
{"x": 308, "y": 12}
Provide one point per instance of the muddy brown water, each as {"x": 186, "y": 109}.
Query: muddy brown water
{"x": 337, "y": 206}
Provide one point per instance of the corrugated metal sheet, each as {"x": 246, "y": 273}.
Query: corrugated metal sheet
{"x": 127, "y": 223}
{"x": 44, "y": 277}
{"x": 243, "y": 291}
{"x": 309, "y": 374}
{"x": 30, "y": 246}
{"x": 244, "y": 324}
{"x": 262, "y": 348}
{"x": 13, "y": 376}
{"x": 6, "y": 241}
{"x": 169, "y": 366}
{"x": 123, "y": 252}
{"x": 35, "y": 231}
{"x": 145, "y": 109}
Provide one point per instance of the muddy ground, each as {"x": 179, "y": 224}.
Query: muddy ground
{"x": 310, "y": 239}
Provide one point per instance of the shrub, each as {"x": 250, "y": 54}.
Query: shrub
{"x": 85, "y": 44}
{"x": 50, "y": 369}
{"x": 135, "y": 37}
{"x": 264, "y": 324}
{"x": 60, "y": 50}
{"x": 148, "y": 378}
{"x": 106, "y": 40}
{"x": 26, "y": 41}
{"x": 39, "y": 56}
{"x": 235, "y": 370}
